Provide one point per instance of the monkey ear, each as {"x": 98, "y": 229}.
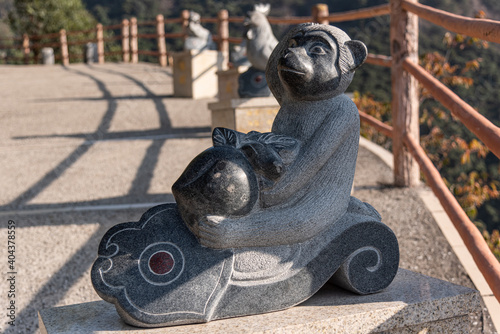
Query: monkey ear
{"x": 358, "y": 51}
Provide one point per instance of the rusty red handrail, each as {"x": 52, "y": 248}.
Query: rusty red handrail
{"x": 208, "y": 20}
{"x": 473, "y": 239}
{"x": 489, "y": 30}
{"x": 289, "y": 20}
{"x": 377, "y": 124}
{"x": 379, "y": 60}
{"x": 358, "y": 14}
{"x": 174, "y": 35}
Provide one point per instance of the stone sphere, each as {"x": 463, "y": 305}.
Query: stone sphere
{"x": 219, "y": 181}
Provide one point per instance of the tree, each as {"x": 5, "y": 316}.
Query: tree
{"x": 35, "y": 17}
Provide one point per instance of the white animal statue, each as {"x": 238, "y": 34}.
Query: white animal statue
{"x": 199, "y": 38}
{"x": 260, "y": 40}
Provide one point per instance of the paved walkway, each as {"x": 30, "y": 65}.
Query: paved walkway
{"x": 86, "y": 147}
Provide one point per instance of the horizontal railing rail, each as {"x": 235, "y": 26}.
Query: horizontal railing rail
{"x": 379, "y": 60}
{"x": 473, "y": 239}
{"x": 112, "y": 27}
{"x": 359, "y": 14}
{"x": 377, "y": 124}
{"x": 44, "y": 45}
{"x": 488, "y": 30}
{"x": 483, "y": 128}
{"x": 289, "y": 20}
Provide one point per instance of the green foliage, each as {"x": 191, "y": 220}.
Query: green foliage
{"x": 372, "y": 79}
{"x": 35, "y": 17}
{"x": 113, "y": 11}
{"x": 493, "y": 241}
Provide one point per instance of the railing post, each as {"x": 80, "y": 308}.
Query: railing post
{"x": 100, "y": 43}
{"x": 133, "y": 41}
{"x": 404, "y": 43}
{"x": 125, "y": 41}
{"x": 320, "y": 13}
{"x": 160, "y": 31}
{"x": 223, "y": 32}
{"x": 64, "y": 47}
{"x": 185, "y": 22}
{"x": 26, "y": 48}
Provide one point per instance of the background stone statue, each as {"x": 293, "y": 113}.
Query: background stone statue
{"x": 199, "y": 38}
{"x": 260, "y": 42}
{"x": 238, "y": 55}
{"x": 262, "y": 220}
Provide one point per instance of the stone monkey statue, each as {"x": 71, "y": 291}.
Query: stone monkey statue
{"x": 308, "y": 72}
{"x": 276, "y": 207}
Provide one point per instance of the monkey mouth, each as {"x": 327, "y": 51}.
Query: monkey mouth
{"x": 288, "y": 69}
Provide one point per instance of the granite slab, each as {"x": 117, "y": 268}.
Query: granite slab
{"x": 412, "y": 302}
{"x": 244, "y": 115}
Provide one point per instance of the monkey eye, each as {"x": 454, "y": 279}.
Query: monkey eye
{"x": 292, "y": 43}
{"x": 318, "y": 49}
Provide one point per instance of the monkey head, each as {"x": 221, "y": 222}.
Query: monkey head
{"x": 313, "y": 62}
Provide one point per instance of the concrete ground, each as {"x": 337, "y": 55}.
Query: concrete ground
{"x": 83, "y": 148}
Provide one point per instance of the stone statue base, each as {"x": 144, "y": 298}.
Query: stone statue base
{"x": 413, "y": 303}
{"x": 252, "y": 83}
{"x": 157, "y": 274}
{"x": 245, "y": 115}
{"x": 195, "y": 73}
{"x": 228, "y": 82}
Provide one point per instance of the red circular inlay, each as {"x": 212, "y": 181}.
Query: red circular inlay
{"x": 258, "y": 78}
{"x": 161, "y": 263}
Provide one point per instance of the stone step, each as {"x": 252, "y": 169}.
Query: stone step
{"x": 412, "y": 303}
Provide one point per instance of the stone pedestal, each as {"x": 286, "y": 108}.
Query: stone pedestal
{"x": 228, "y": 82}
{"x": 244, "y": 115}
{"x": 413, "y": 303}
{"x": 195, "y": 73}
